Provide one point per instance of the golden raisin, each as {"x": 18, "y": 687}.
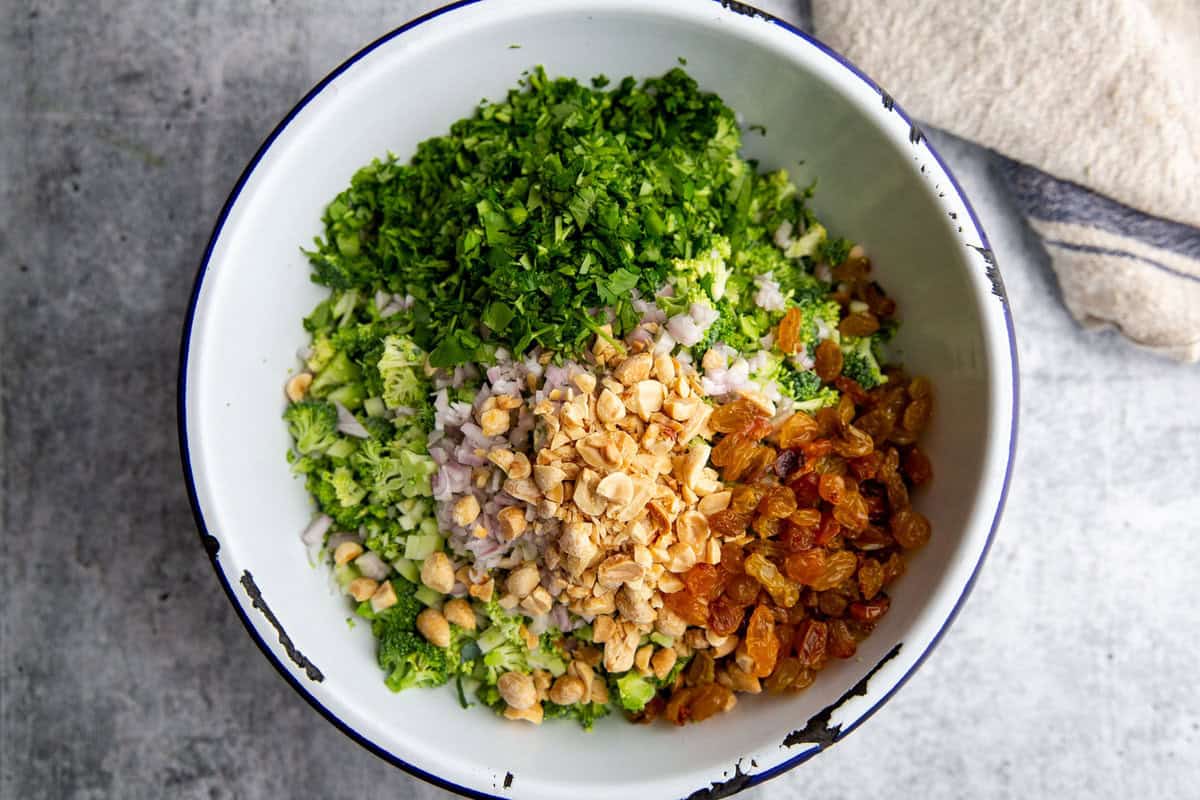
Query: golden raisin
{"x": 761, "y": 644}
{"x": 862, "y": 323}
{"x": 916, "y": 416}
{"x": 811, "y": 640}
{"x": 838, "y": 567}
{"x": 917, "y": 467}
{"x": 783, "y": 591}
{"x": 779, "y": 501}
{"x": 870, "y": 577}
{"x": 788, "y": 337}
{"x": 910, "y": 528}
{"x": 805, "y": 567}
{"x": 798, "y": 429}
{"x": 852, "y": 511}
{"x": 827, "y": 361}
{"x": 832, "y": 487}
{"x": 710, "y": 699}
{"x": 725, "y": 615}
{"x": 733, "y": 417}
{"x": 689, "y": 607}
{"x": 729, "y": 522}
{"x": 781, "y": 679}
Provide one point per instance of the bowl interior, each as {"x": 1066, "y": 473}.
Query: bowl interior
{"x": 822, "y": 122}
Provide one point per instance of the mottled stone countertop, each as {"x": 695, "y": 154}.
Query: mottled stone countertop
{"x": 125, "y": 673}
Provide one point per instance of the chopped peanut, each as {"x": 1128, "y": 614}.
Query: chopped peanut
{"x": 437, "y": 573}
{"x": 346, "y": 552}
{"x": 362, "y": 588}
{"x": 434, "y": 627}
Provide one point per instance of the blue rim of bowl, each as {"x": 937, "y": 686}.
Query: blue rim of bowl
{"x": 211, "y": 544}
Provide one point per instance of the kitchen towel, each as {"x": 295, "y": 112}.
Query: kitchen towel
{"x": 1096, "y": 106}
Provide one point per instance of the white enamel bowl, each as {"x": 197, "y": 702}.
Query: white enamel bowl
{"x": 880, "y": 184}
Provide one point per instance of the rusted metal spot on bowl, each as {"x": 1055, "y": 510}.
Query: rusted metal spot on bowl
{"x": 746, "y": 10}
{"x": 889, "y": 102}
{"x": 993, "y": 272}
{"x": 818, "y": 731}
{"x": 915, "y": 135}
{"x": 508, "y": 779}
{"x": 297, "y": 658}
{"x": 725, "y": 788}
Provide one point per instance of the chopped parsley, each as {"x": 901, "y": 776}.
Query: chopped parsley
{"x": 540, "y": 210}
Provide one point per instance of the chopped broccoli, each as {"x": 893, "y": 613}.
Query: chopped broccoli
{"x": 313, "y": 425}
{"x": 348, "y": 492}
{"x": 585, "y": 713}
{"x": 701, "y": 279}
{"x": 808, "y": 243}
{"x": 390, "y": 473}
{"x": 401, "y": 366}
{"x": 403, "y": 653}
{"x": 634, "y": 691}
{"x": 339, "y": 371}
{"x": 834, "y": 251}
{"x": 410, "y": 660}
{"x": 818, "y": 321}
{"x": 322, "y": 353}
{"x": 859, "y": 362}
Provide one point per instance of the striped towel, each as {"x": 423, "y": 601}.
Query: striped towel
{"x": 1095, "y": 104}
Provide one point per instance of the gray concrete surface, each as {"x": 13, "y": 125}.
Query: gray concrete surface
{"x": 124, "y": 671}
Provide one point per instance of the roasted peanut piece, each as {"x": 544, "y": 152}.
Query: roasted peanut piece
{"x": 494, "y": 422}
{"x": 465, "y": 510}
{"x": 297, "y": 387}
{"x": 437, "y": 573}
{"x": 346, "y": 552}
{"x": 533, "y": 714}
{"x": 662, "y": 662}
{"x": 458, "y": 612}
{"x": 517, "y": 690}
{"x": 567, "y": 690}
{"x": 609, "y": 407}
{"x": 434, "y": 627}
{"x": 362, "y": 588}
{"x": 633, "y": 369}
{"x": 522, "y": 580}
{"x": 512, "y": 522}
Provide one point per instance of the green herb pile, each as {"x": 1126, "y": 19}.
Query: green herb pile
{"x": 539, "y": 210}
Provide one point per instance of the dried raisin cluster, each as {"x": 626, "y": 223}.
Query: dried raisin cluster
{"x": 815, "y": 532}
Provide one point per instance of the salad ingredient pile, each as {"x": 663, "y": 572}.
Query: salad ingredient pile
{"x": 596, "y": 415}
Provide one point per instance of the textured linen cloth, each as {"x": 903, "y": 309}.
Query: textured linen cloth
{"x": 1095, "y": 104}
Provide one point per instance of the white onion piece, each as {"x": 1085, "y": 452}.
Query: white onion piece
{"x": 348, "y": 425}
{"x": 316, "y": 530}
{"x": 372, "y": 566}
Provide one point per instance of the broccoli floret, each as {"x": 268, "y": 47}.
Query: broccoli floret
{"x": 323, "y": 352}
{"x": 411, "y": 661}
{"x": 702, "y": 279}
{"x": 549, "y": 655}
{"x": 634, "y": 691}
{"x": 402, "y": 369}
{"x": 741, "y": 331}
{"x": 506, "y": 657}
{"x": 799, "y": 384}
{"x": 859, "y": 362}
{"x": 340, "y": 370}
{"x": 345, "y": 487}
{"x": 390, "y": 473}
{"x": 585, "y": 713}
{"x": 313, "y": 425}
{"x": 808, "y": 243}
{"x": 819, "y": 320}
{"x": 404, "y": 654}
{"x": 834, "y": 251}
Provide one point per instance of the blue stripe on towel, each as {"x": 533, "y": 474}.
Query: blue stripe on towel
{"x": 1106, "y": 251}
{"x": 1045, "y": 197}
